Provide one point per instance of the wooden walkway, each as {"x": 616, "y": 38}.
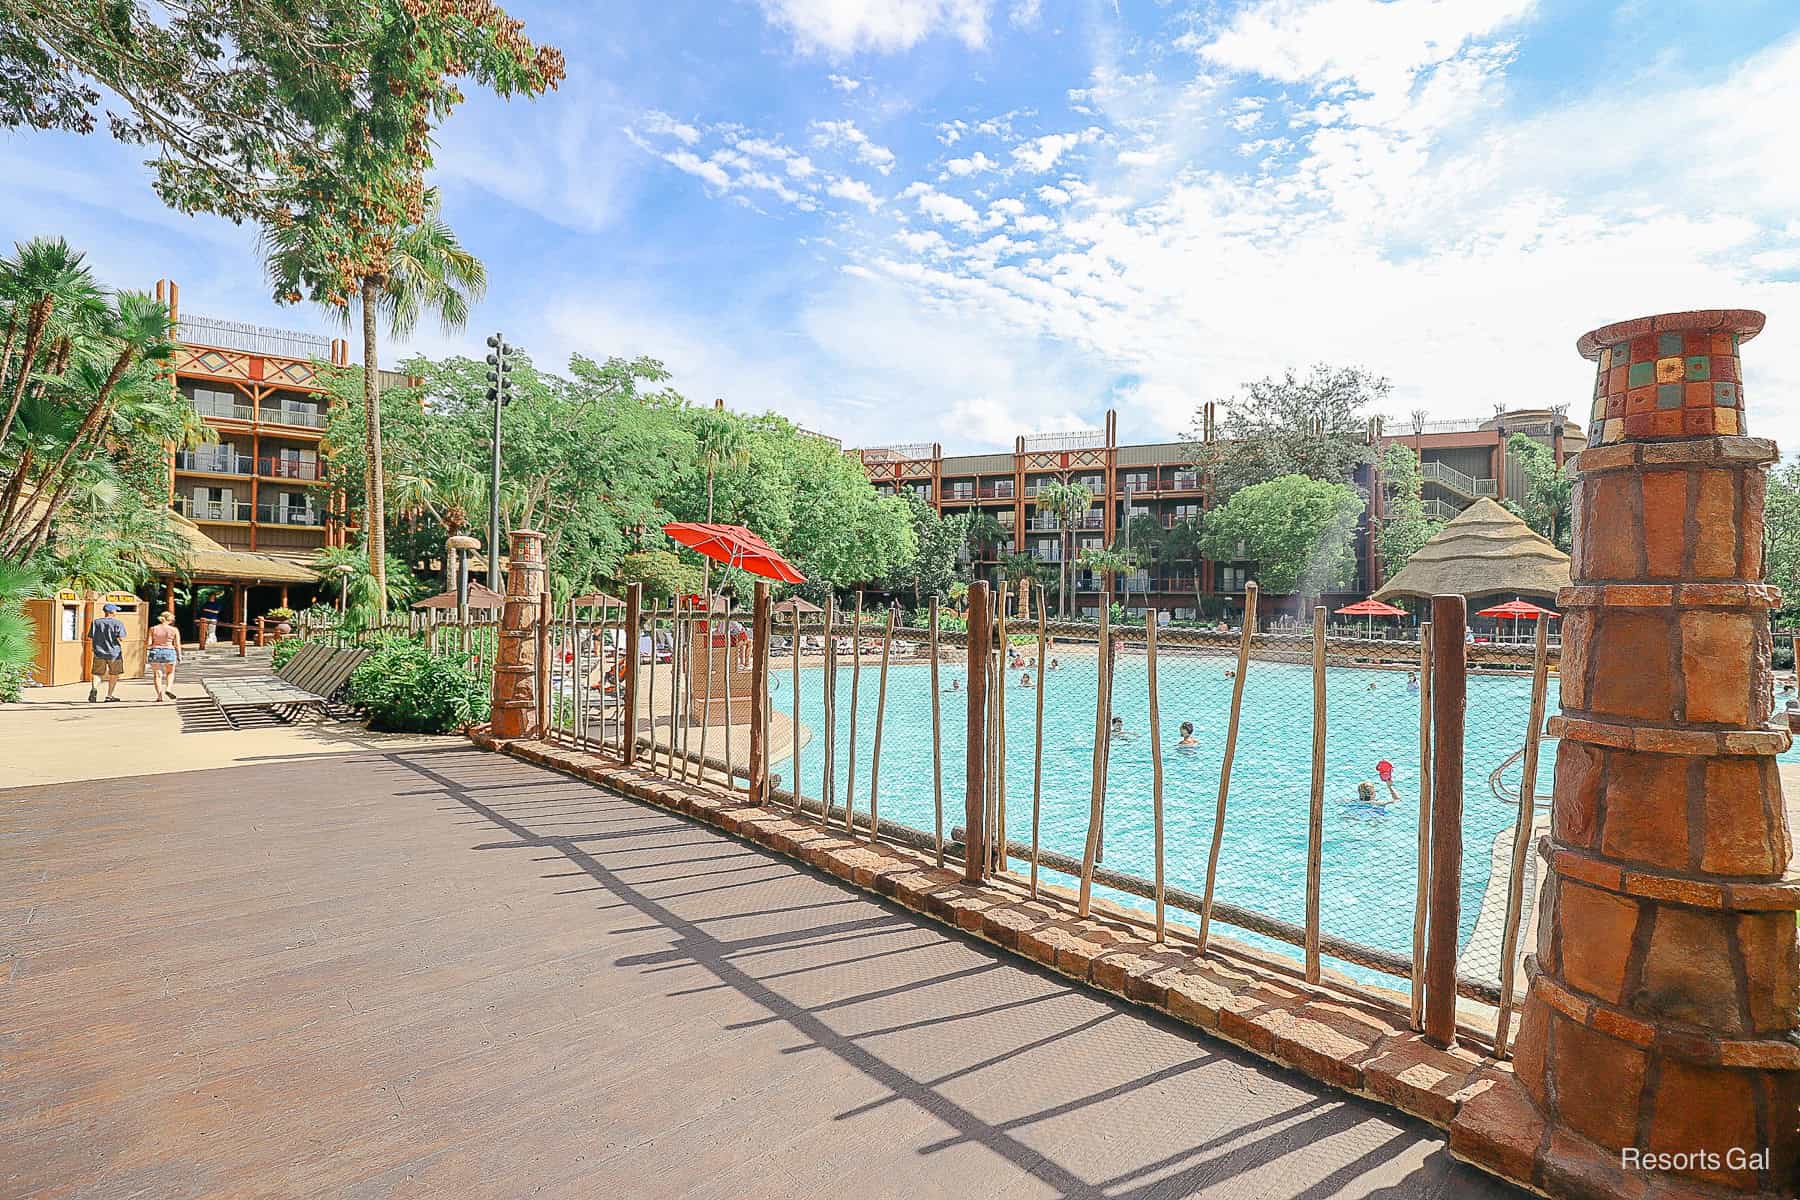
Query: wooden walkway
{"x": 443, "y": 972}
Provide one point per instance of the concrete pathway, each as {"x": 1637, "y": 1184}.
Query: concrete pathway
{"x": 442, "y": 972}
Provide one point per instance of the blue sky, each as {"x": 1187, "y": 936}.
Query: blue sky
{"x": 958, "y": 220}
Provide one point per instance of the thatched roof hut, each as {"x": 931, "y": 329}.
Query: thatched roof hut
{"x": 206, "y": 561}
{"x": 1484, "y": 551}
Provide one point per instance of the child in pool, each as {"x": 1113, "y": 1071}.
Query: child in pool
{"x": 1412, "y": 682}
{"x": 1118, "y": 728}
{"x": 1024, "y": 679}
{"x": 1187, "y": 735}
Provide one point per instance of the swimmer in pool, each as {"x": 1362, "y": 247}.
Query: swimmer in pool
{"x": 1187, "y": 735}
{"x": 1024, "y": 679}
{"x": 1230, "y": 673}
{"x": 955, "y": 683}
{"x": 1412, "y": 682}
{"x": 1118, "y": 728}
{"x": 1054, "y": 665}
{"x": 1365, "y": 794}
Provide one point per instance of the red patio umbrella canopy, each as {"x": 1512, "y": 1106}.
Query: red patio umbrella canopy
{"x": 735, "y": 546}
{"x": 1370, "y": 608}
{"x": 1517, "y": 609}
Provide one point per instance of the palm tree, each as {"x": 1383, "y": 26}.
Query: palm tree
{"x": 721, "y": 444}
{"x": 427, "y": 270}
{"x": 1068, "y": 503}
{"x": 983, "y": 531}
{"x": 347, "y": 567}
{"x": 45, "y": 273}
{"x": 140, "y": 328}
{"x": 1106, "y": 563}
{"x": 450, "y": 492}
{"x": 1016, "y": 569}
{"x": 1183, "y": 543}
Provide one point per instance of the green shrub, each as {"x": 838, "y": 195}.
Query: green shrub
{"x": 405, "y": 687}
{"x": 18, "y": 649}
{"x": 285, "y": 649}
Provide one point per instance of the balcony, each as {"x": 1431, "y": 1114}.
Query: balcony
{"x": 215, "y": 460}
{"x": 214, "y": 410}
{"x": 212, "y": 510}
{"x": 997, "y": 491}
{"x": 282, "y": 514}
{"x": 290, "y": 468}
{"x": 1439, "y": 510}
{"x": 307, "y": 415}
{"x": 1049, "y": 554}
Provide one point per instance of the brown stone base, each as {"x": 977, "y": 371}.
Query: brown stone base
{"x": 1498, "y": 1129}
{"x": 1351, "y": 1042}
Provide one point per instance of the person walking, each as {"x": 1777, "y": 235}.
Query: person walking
{"x": 165, "y": 652}
{"x": 209, "y": 621}
{"x": 106, "y": 638}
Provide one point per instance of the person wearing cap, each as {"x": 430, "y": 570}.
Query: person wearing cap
{"x": 106, "y": 636}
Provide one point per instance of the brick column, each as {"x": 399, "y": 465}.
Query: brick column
{"x": 515, "y": 666}
{"x": 1661, "y": 1015}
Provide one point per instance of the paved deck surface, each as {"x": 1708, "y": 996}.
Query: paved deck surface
{"x": 415, "y": 971}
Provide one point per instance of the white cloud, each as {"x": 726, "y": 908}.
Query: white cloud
{"x": 973, "y": 164}
{"x": 693, "y": 164}
{"x": 1053, "y": 195}
{"x": 840, "y": 28}
{"x": 662, "y": 123}
{"x": 854, "y": 190}
{"x": 947, "y": 209}
{"x": 1140, "y": 158}
{"x": 1041, "y": 153}
{"x": 1024, "y": 14}
{"x": 846, "y": 136}
{"x": 844, "y": 83}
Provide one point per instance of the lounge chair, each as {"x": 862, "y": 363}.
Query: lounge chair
{"x": 305, "y": 681}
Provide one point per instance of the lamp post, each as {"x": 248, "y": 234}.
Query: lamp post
{"x": 499, "y": 393}
{"x": 461, "y": 545}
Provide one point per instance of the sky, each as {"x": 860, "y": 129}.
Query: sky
{"x": 901, "y": 221}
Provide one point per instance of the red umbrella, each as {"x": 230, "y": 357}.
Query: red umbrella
{"x": 735, "y": 546}
{"x": 1370, "y": 608}
{"x": 1517, "y": 609}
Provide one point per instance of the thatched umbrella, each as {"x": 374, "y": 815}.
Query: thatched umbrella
{"x": 479, "y": 597}
{"x": 1485, "y": 550}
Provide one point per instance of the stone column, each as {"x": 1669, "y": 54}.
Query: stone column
{"x": 515, "y": 666}
{"x": 1661, "y": 1014}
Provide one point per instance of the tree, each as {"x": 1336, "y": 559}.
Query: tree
{"x": 1299, "y": 532}
{"x": 1781, "y": 536}
{"x": 983, "y": 531}
{"x": 310, "y": 114}
{"x": 347, "y": 571}
{"x": 1068, "y": 503}
{"x": 426, "y": 270}
{"x": 140, "y": 328}
{"x": 1404, "y": 526}
{"x": 933, "y": 565}
{"x": 1137, "y": 545}
{"x": 44, "y": 273}
{"x": 661, "y": 573}
{"x": 1545, "y": 505}
{"x": 1185, "y": 541}
{"x": 1316, "y": 426}
{"x": 1106, "y": 563}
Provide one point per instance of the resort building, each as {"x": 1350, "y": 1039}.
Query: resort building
{"x": 1461, "y": 460}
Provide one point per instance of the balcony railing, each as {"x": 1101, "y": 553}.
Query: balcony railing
{"x": 290, "y": 468}
{"x": 253, "y": 339}
{"x": 222, "y": 460}
{"x": 1439, "y": 510}
{"x": 281, "y": 514}
{"x": 212, "y": 510}
{"x": 294, "y": 414}
{"x": 224, "y": 412}
{"x": 1049, "y": 554}
{"x": 997, "y": 491}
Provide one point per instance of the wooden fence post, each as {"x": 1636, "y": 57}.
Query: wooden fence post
{"x": 634, "y": 605}
{"x": 1420, "y": 898}
{"x": 544, "y": 702}
{"x": 1315, "y": 825}
{"x": 1449, "y": 704}
{"x": 759, "y": 694}
{"x": 975, "y": 779}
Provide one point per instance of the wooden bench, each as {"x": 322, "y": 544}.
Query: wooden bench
{"x": 307, "y": 680}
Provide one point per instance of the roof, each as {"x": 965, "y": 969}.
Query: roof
{"x": 206, "y": 559}
{"x": 1485, "y": 550}
{"x": 480, "y": 596}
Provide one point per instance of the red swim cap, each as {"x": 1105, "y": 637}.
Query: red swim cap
{"x": 1385, "y": 769}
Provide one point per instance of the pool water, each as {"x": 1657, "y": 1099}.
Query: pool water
{"x": 1369, "y": 856}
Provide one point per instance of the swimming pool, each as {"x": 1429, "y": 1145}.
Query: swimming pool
{"x": 1369, "y": 857}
